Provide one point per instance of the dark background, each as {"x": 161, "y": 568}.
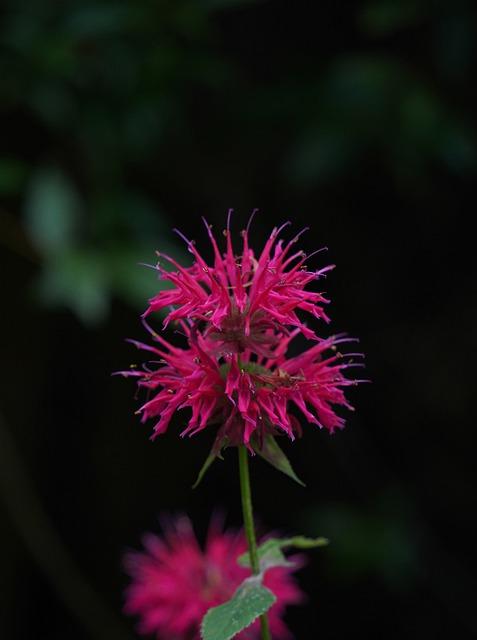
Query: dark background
{"x": 121, "y": 120}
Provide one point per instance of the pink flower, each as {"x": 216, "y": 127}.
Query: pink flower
{"x": 249, "y": 397}
{"x": 246, "y": 302}
{"x": 239, "y": 317}
{"x": 184, "y": 378}
{"x": 174, "y": 582}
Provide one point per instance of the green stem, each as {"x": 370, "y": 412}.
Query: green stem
{"x": 247, "y": 510}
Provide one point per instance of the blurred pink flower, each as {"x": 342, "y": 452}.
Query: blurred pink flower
{"x": 174, "y": 582}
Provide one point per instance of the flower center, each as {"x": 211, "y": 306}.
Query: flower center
{"x": 246, "y": 367}
{"x": 262, "y": 337}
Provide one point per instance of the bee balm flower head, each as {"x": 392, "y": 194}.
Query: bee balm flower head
{"x": 244, "y": 301}
{"x": 250, "y": 398}
{"x": 238, "y": 317}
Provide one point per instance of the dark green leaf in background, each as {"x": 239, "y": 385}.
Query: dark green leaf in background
{"x": 52, "y": 211}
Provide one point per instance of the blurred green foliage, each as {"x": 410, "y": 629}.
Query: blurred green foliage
{"x": 101, "y": 94}
{"x": 382, "y": 542}
{"x": 82, "y": 273}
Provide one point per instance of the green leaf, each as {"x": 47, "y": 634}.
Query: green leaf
{"x": 271, "y": 452}
{"x": 79, "y": 281}
{"x": 270, "y": 552}
{"x": 215, "y": 452}
{"x": 249, "y": 602}
{"x": 270, "y": 555}
{"x": 209, "y": 460}
{"x": 302, "y": 542}
{"x": 52, "y": 211}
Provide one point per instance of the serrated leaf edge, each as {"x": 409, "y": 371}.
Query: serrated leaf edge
{"x": 255, "y": 578}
